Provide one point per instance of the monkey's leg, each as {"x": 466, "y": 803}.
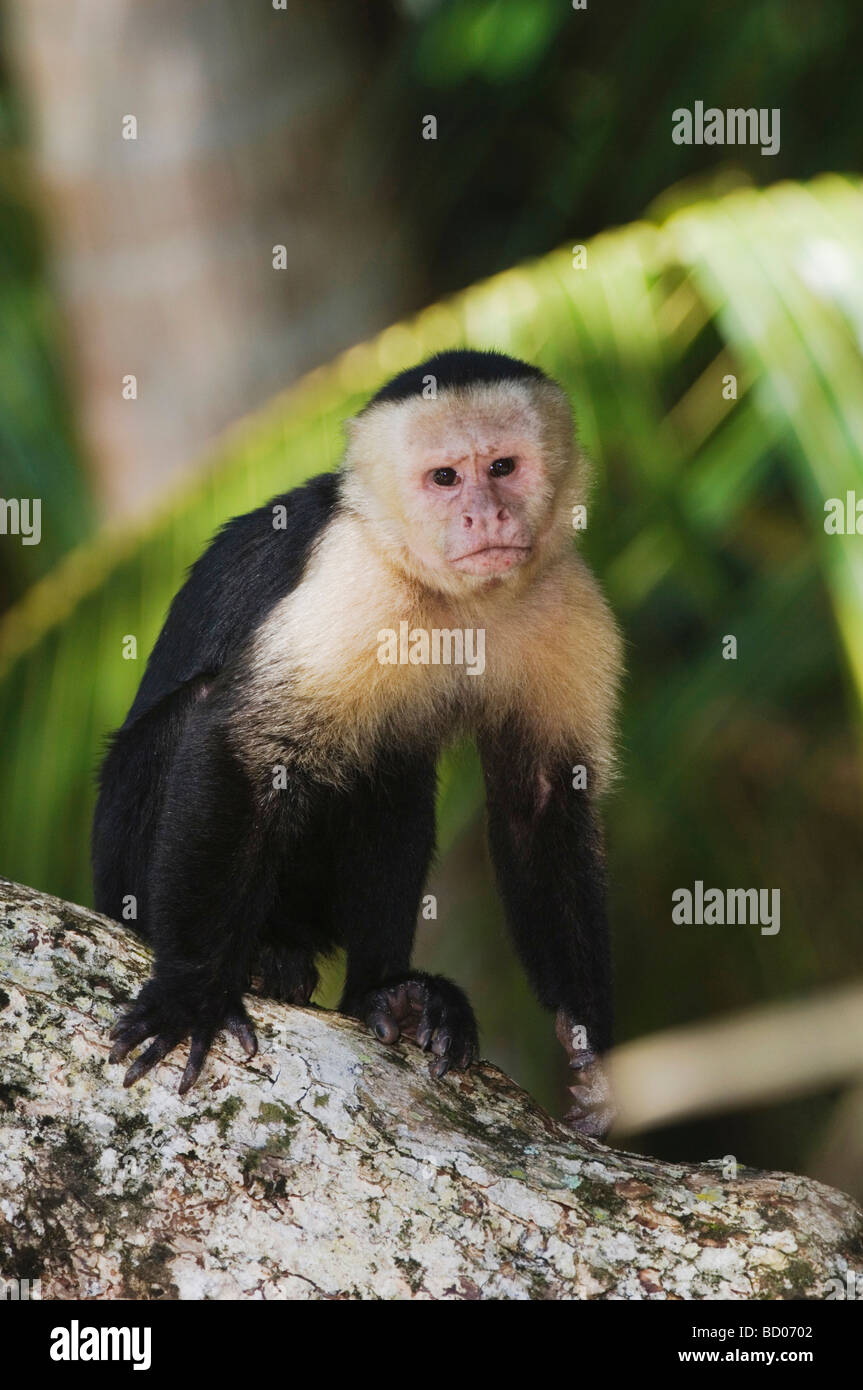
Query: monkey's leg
{"x": 126, "y": 819}
{"x": 213, "y": 882}
{"x": 385, "y": 849}
{"x": 547, "y": 851}
{"x": 299, "y": 928}
{"x": 287, "y": 973}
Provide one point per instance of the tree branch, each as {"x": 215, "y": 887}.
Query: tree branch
{"x": 333, "y": 1167}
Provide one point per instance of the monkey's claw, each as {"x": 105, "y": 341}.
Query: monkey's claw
{"x": 592, "y": 1111}
{"x": 152, "y": 1016}
{"x": 432, "y": 1012}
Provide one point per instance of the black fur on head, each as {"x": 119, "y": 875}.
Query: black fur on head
{"x": 459, "y": 367}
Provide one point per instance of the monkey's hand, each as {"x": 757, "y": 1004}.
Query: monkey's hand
{"x": 163, "y": 1016}
{"x": 593, "y": 1111}
{"x": 432, "y": 1012}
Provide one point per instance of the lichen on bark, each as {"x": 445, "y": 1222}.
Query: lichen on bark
{"x": 331, "y": 1166}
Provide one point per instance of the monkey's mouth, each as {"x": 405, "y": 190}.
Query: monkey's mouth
{"x": 493, "y": 559}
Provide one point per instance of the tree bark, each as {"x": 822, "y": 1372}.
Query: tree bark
{"x": 331, "y": 1166}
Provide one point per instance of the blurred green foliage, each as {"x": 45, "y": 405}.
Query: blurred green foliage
{"x": 555, "y": 123}
{"x": 707, "y": 521}
{"x": 38, "y": 452}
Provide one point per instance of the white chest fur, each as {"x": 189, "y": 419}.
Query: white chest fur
{"x": 355, "y": 653}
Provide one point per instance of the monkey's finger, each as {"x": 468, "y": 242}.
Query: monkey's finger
{"x": 383, "y": 1026}
{"x": 453, "y": 1051}
{"x": 197, "y": 1057}
{"x": 439, "y": 1067}
{"x": 441, "y": 1042}
{"x": 591, "y": 1086}
{"x": 127, "y": 1037}
{"x": 397, "y": 1000}
{"x": 427, "y": 1026}
{"x": 590, "y": 1097}
{"x": 240, "y": 1026}
{"x": 444, "y": 1051}
{"x": 147, "y": 1060}
{"x": 595, "y": 1122}
{"x": 131, "y": 1019}
{"x": 593, "y": 1111}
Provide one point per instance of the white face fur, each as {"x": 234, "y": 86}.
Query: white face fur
{"x": 401, "y": 550}
{"x": 468, "y": 489}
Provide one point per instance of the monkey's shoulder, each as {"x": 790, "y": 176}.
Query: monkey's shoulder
{"x": 253, "y": 561}
{"x": 319, "y": 647}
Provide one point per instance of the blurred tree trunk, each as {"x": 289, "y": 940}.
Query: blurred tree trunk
{"x": 255, "y": 128}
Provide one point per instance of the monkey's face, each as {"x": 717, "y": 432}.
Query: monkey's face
{"x": 468, "y": 483}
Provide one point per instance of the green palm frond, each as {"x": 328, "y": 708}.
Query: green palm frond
{"x": 708, "y": 516}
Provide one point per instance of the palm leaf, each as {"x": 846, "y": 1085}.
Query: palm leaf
{"x": 641, "y": 339}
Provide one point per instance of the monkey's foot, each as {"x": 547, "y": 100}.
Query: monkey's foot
{"x": 432, "y": 1012}
{"x": 157, "y": 1015}
{"x": 593, "y": 1111}
{"x": 286, "y": 974}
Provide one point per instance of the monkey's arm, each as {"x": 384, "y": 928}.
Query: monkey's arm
{"x": 216, "y": 861}
{"x": 547, "y": 850}
{"x": 246, "y": 570}
{"x": 249, "y": 566}
{"x": 384, "y": 860}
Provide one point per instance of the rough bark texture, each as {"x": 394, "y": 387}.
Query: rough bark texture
{"x": 333, "y": 1167}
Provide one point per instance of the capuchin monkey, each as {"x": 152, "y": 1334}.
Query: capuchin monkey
{"x": 271, "y": 794}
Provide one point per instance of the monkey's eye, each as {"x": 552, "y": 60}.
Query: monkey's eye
{"x": 501, "y": 467}
{"x": 445, "y": 477}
